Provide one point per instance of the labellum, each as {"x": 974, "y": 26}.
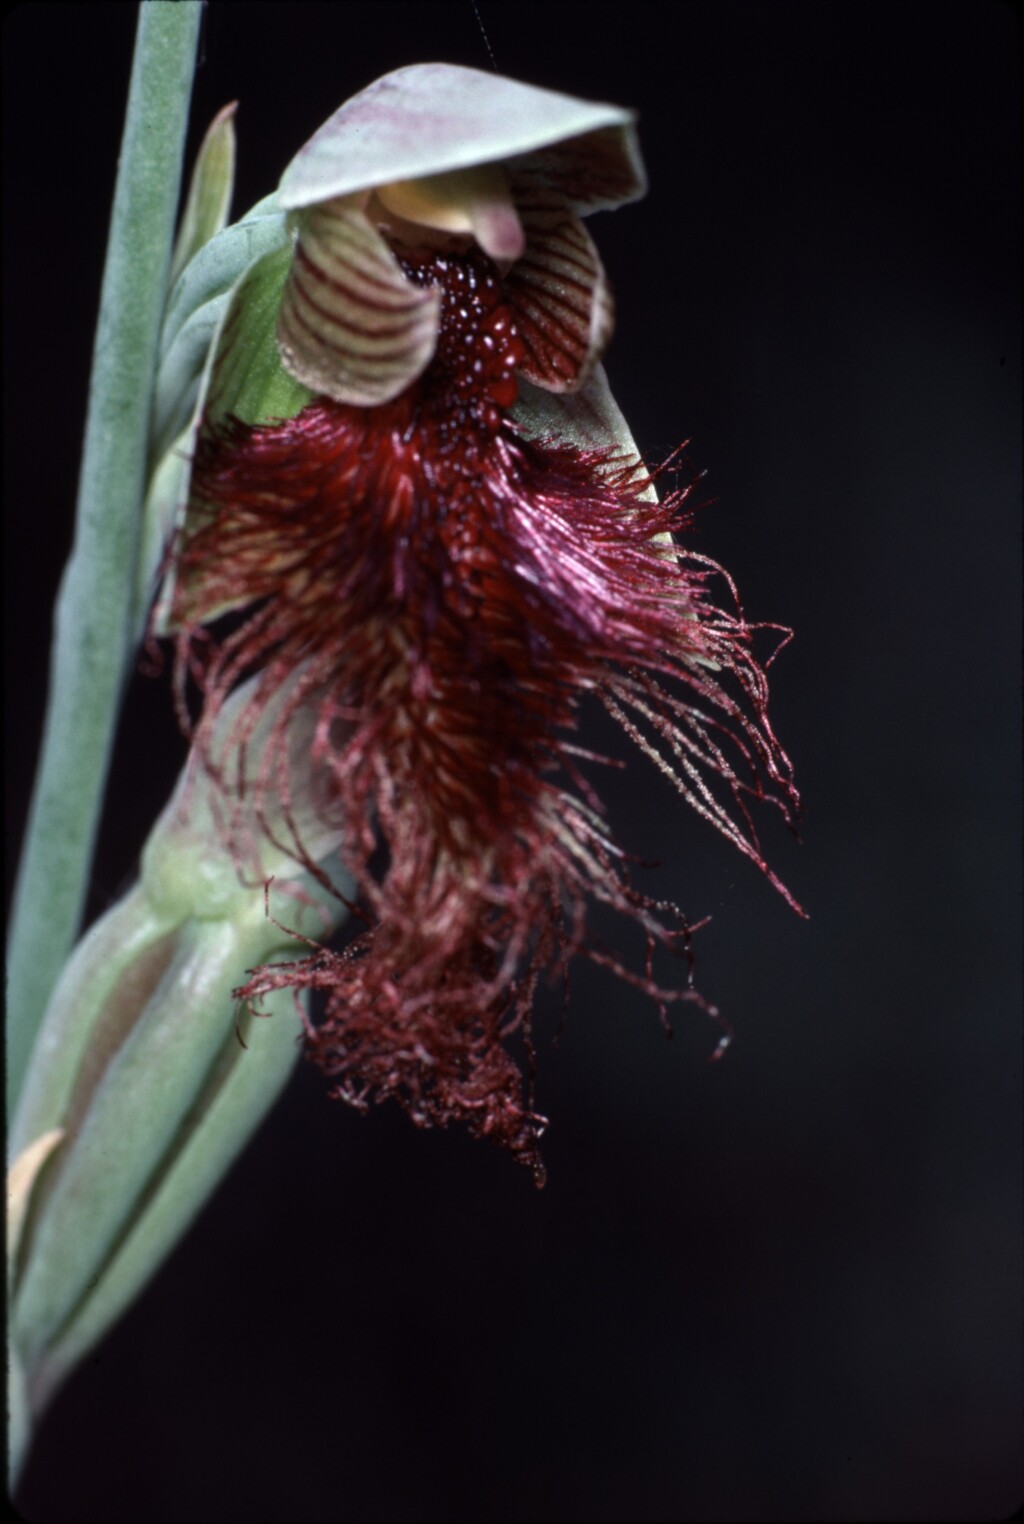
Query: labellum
{"x": 433, "y": 575}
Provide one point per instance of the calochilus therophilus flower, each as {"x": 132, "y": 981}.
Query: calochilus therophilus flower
{"x": 413, "y": 487}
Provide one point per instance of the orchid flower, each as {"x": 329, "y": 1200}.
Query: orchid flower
{"x": 437, "y": 525}
{"x": 399, "y": 535}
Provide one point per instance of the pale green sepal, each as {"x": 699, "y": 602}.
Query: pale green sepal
{"x": 426, "y": 119}
{"x": 162, "y": 515}
{"x": 213, "y": 846}
{"x": 249, "y": 1081}
{"x": 220, "y": 263}
{"x": 251, "y": 383}
{"x": 192, "y": 327}
{"x": 195, "y": 312}
{"x": 209, "y": 193}
{"x": 589, "y": 419}
{"x": 228, "y": 289}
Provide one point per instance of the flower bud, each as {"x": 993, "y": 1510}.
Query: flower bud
{"x": 148, "y": 1069}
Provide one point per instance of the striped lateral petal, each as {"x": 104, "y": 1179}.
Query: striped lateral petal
{"x": 560, "y": 295}
{"x": 594, "y": 172}
{"x": 351, "y": 326}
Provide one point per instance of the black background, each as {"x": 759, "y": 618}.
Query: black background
{"x": 782, "y": 1286}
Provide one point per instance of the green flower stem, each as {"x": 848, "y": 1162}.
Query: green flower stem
{"x": 95, "y": 615}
